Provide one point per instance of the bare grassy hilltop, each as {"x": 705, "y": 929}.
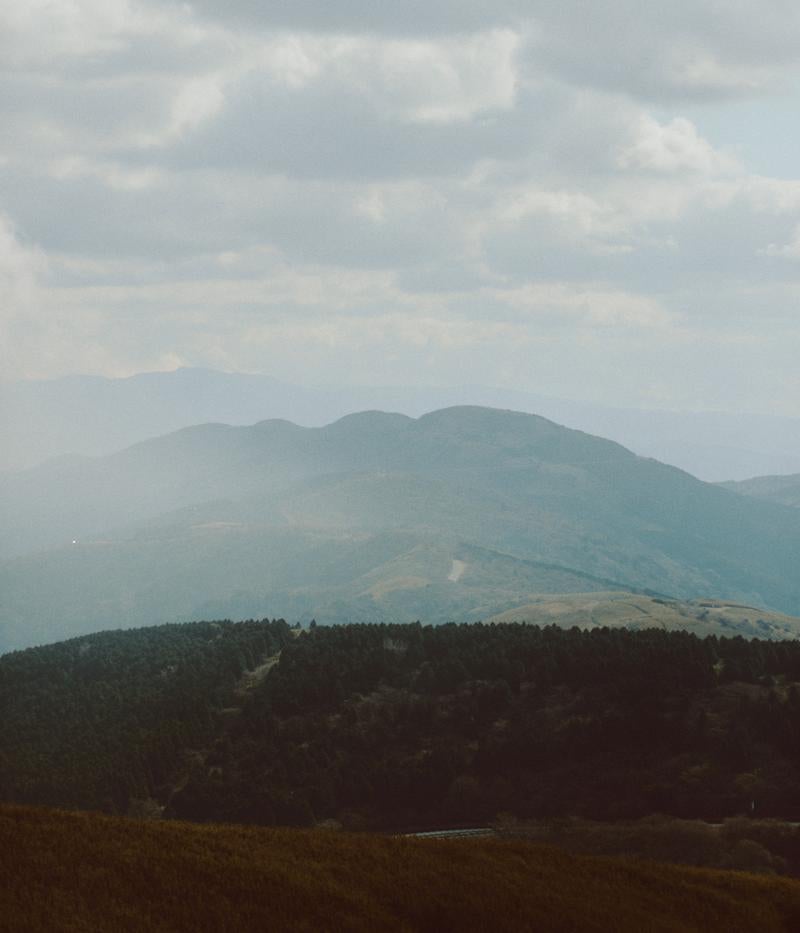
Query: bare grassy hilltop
{"x": 637, "y": 611}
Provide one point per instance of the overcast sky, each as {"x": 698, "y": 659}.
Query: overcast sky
{"x": 597, "y": 200}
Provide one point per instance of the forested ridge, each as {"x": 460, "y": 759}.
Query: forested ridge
{"x": 398, "y": 727}
{"x": 103, "y": 720}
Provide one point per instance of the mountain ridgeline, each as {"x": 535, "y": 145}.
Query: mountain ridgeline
{"x": 460, "y": 514}
{"x": 92, "y": 416}
{"x": 781, "y": 489}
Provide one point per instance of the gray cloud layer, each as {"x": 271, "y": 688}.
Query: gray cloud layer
{"x": 506, "y": 192}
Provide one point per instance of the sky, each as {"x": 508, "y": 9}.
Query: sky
{"x": 594, "y": 200}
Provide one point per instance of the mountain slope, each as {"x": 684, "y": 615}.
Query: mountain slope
{"x": 67, "y": 871}
{"x": 306, "y": 519}
{"x": 638, "y": 611}
{"x": 784, "y": 490}
{"x": 100, "y": 721}
{"x": 229, "y": 571}
{"x": 403, "y": 726}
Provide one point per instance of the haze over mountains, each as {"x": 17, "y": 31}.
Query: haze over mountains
{"x": 460, "y": 514}
{"x": 92, "y": 415}
{"x": 782, "y": 489}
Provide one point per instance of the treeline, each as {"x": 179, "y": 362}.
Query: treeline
{"x": 100, "y": 721}
{"x": 396, "y": 727}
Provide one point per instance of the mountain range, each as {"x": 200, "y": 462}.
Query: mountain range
{"x": 460, "y": 514}
{"x": 91, "y": 415}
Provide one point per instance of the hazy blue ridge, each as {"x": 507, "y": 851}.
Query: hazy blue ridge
{"x": 459, "y": 514}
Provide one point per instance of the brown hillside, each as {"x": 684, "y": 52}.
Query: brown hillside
{"x": 71, "y": 871}
{"x": 637, "y": 611}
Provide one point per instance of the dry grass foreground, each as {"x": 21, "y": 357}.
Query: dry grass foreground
{"x": 84, "y": 872}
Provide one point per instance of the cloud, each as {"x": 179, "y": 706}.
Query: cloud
{"x": 681, "y": 49}
{"x": 63, "y": 29}
{"x": 19, "y": 269}
{"x": 674, "y": 147}
{"x": 790, "y": 250}
{"x": 390, "y": 189}
{"x": 358, "y": 17}
{"x": 26, "y": 332}
{"x": 593, "y": 305}
{"x": 435, "y": 82}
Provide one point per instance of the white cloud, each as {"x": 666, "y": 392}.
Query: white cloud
{"x": 592, "y": 305}
{"x": 197, "y": 100}
{"x": 63, "y": 27}
{"x": 20, "y": 267}
{"x": 790, "y": 250}
{"x": 692, "y": 68}
{"x": 27, "y": 335}
{"x": 437, "y": 82}
{"x": 778, "y": 196}
{"x": 117, "y": 176}
{"x": 41, "y": 33}
{"x": 430, "y": 81}
{"x": 244, "y": 183}
{"x": 673, "y": 147}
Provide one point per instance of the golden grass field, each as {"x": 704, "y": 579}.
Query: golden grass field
{"x": 65, "y": 871}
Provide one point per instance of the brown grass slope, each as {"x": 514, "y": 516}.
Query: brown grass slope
{"x": 84, "y": 872}
{"x": 637, "y": 611}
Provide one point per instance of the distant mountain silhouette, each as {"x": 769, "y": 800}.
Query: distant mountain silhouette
{"x": 90, "y": 416}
